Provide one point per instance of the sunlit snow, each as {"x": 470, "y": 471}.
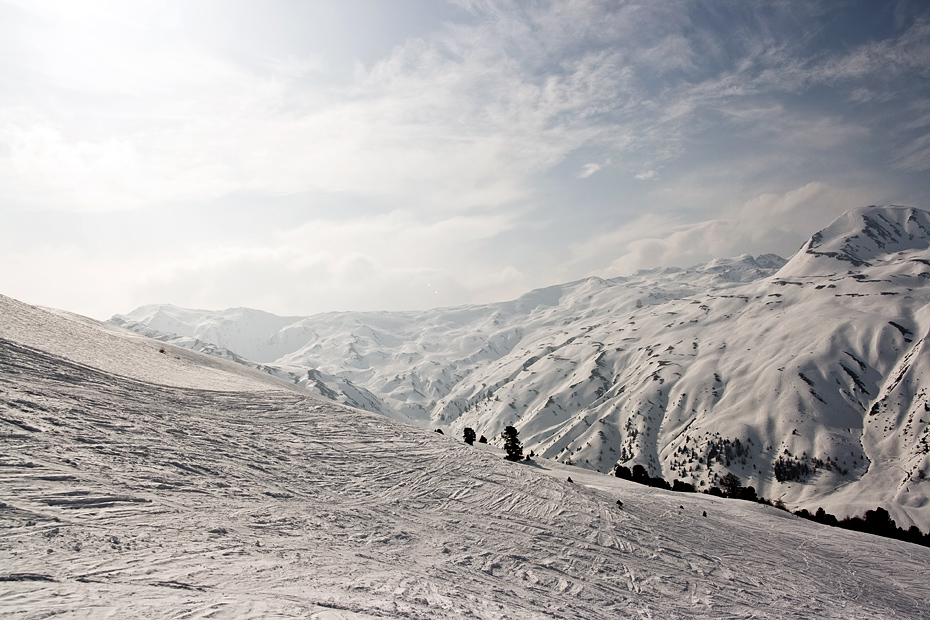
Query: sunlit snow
{"x": 142, "y": 481}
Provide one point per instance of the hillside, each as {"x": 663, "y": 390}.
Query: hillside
{"x": 807, "y": 379}
{"x": 127, "y": 492}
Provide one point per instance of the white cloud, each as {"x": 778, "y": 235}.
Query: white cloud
{"x": 648, "y": 175}
{"x": 392, "y": 261}
{"x": 908, "y": 53}
{"x": 451, "y": 123}
{"x": 588, "y": 169}
{"x": 770, "y": 222}
{"x": 470, "y": 117}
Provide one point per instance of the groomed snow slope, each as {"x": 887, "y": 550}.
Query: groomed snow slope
{"x": 126, "y": 498}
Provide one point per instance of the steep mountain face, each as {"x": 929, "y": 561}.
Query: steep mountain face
{"x": 808, "y": 380}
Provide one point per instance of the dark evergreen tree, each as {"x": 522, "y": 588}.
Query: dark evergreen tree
{"x": 621, "y": 471}
{"x": 879, "y": 522}
{"x": 470, "y": 436}
{"x": 640, "y": 474}
{"x": 483, "y": 439}
{"x": 512, "y": 445}
{"x": 731, "y": 486}
{"x": 439, "y": 430}
{"x": 749, "y": 494}
{"x": 822, "y": 516}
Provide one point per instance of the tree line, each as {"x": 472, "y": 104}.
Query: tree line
{"x": 877, "y": 522}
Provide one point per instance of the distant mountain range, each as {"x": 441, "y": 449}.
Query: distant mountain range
{"x": 806, "y": 378}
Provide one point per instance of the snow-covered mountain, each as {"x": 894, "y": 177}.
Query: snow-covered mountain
{"x": 808, "y": 380}
{"x": 142, "y": 480}
{"x": 338, "y": 354}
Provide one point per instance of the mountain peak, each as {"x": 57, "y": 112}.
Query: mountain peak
{"x": 861, "y": 238}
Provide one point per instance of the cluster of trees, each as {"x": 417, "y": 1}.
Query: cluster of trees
{"x": 723, "y": 451}
{"x": 639, "y": 475}
{"x": 469, "y": 437}
{"x": 732, "y": 487}
{"x": 788, "y": 469}
{"x": 512, "y": 444}
{"x": 877, "y": 522}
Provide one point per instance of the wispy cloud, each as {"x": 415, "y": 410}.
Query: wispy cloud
{"x": 469, "y": 117}
{"x": 588, "y": 169}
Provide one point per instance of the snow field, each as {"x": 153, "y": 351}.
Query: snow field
{"x": 126, "y": 498}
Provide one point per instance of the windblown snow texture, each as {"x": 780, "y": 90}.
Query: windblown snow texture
{"x": 808, "y": 380}
{"x": 142, "y": 480}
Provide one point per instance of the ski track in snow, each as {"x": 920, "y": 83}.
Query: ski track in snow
{"x": 126, "y": 498}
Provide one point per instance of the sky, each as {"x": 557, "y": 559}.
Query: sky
{"x": 330, "y": 155}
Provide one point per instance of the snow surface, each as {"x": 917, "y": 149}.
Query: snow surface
{"x": 820, "y": 363}
{"x": 127, "y": 492}
{"x": 90, "y": 342}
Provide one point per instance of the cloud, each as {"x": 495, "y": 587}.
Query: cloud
{"x": 588, "y": 169}
{"x": 648, "y": 175}
{"x": 914, "y": 154}
{"x": 281, "y": 279}
{"x": 908, "y": 54}
{"x": 471, "y": 116}
{"x": 777, "y": 223}
{"x": 451, "y": 123}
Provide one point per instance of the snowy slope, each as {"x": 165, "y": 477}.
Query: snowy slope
{"x": 90, "y": 342}
{"x": 256, "y": 335}
{"x": 807, "y": 379}
{"x": 120, "y": 497}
